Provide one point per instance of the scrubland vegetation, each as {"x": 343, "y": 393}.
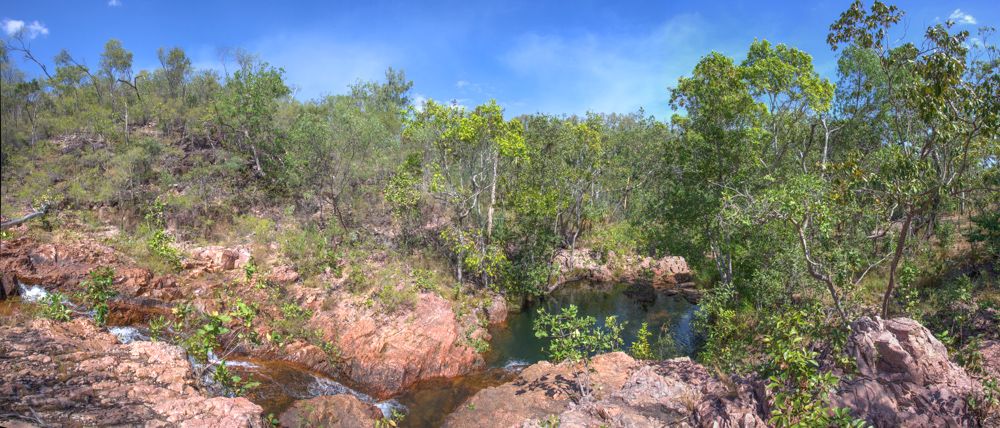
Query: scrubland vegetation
{"x": 801, "y": 202}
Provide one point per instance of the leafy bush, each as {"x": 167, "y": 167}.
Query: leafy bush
{"x": 801, "y": 389}
{"x": 54, "y": 307}
{"x": 640, "y": 348}
{"x": 310, "y": 251}
{"x": 233, "y": 384}
{"x": 987, "y": 231}
{"x": 573, "y": 338}
{"x": 99, "y": 288}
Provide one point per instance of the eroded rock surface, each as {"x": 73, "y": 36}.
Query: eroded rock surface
{"x": 73, "y": 374}
{"x": 335, "y": 411}
{"x": 905, "y": 377}
{"x": 386, "y": 353}
{"x": 62, "y": 266}
{"x": 624, "y": 392}
{"x": 666, "y": 273}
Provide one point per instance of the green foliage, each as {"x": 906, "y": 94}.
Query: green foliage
{"x": 247, "y": 107}
{"x": 53, "y": 306}
{"x": 987, "y": 231}
{"x": 234, "y": 384}
{"x": 573, "y": 338}
{"x": 310, "y": 251}
{"x": 157, "y": 326}
{"x": 99, "y": 287}
{"x": 801, "y": 389}
{"x": 205, "y": 337}
{"x": 357, "y": 281}
{"x": 640, "y": 348}
{"x": 393, "y": 420}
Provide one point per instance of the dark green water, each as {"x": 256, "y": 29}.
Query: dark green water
{"x": 514, "y": 345}
{"x": 633, "y": 304}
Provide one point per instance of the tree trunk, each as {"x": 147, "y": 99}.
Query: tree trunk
{"x": 493, "y": 198}
{"x": 900, "y": 244}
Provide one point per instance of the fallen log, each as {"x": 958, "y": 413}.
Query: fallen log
{"x": 38, "y": 213}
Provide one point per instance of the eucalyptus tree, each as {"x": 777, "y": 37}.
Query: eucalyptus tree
{"x": 940, "y": 122}
{"x": 116, "y": 68}
{"x": 246, "y": 108}
{"x": 467, "y": 153}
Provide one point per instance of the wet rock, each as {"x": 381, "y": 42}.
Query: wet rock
{"x": 905, "y": 377}
{"x": 342, "y": 411}
{"x": 74, "y": 374}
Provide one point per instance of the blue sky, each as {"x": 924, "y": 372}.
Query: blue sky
{"x": 532, "y": 56}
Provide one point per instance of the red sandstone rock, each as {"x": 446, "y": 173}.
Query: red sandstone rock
{"x": 74, "y": 374}
{"x": 905, "y": 377}
{"x": 335, "y": 411}
{"x": 387, "y": 353}
{"x": 583, "y": 263}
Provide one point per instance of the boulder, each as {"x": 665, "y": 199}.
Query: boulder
{"x": 622, "y": 392}
{"x": 905, "y": 378}
{"x": 74, "y": 374}
{"x": 216, "y": 258}
{"x": 334, "y": 411}
{"x": 283, "y": 275}
{"x": 585, "y": 264}
{"x": 386, "y": 353}
{"x": 496, "y": 312}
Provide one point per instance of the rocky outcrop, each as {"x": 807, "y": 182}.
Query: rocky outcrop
{"x": 62, "y": 266}
{"x": 584, "y": 264}
{"x": 335, "y": 411}
{"x": 385, "y": 353}
{"x": 905, "y": 378}
{"x": 623, "y": 392}
{"x": 74, "y": 374}
{"x": 215, "y": 258}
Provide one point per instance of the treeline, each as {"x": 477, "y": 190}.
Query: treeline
{"x": 784, "y": 189}
{"x": 776, "y": 183}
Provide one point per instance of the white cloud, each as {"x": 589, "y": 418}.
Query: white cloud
{"x": 13, "y": 27}
{"x": 608, "y": 73}
{"x": 962, "y": 18}
{"x": 114, "y": 3}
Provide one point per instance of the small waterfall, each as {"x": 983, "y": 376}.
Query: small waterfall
{"x": 323, "y": 386}
{"x": 32, "y": 293}
{"x": 127, "y": 334}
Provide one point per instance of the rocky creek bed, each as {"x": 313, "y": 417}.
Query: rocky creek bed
{"x": 76, "y": 374}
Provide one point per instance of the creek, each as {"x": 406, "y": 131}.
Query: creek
{"x": 513, "y": 346}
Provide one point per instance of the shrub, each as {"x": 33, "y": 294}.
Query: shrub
{"x": 99, "y": 288}
{"x": 233, "y": 384}
{"x": 54, "y": 307}
{"x": 573, "y": 338}
{"x": 356, "y": 282}
{"x": 310, "y": 251}
{"x": 640, "y": 348}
